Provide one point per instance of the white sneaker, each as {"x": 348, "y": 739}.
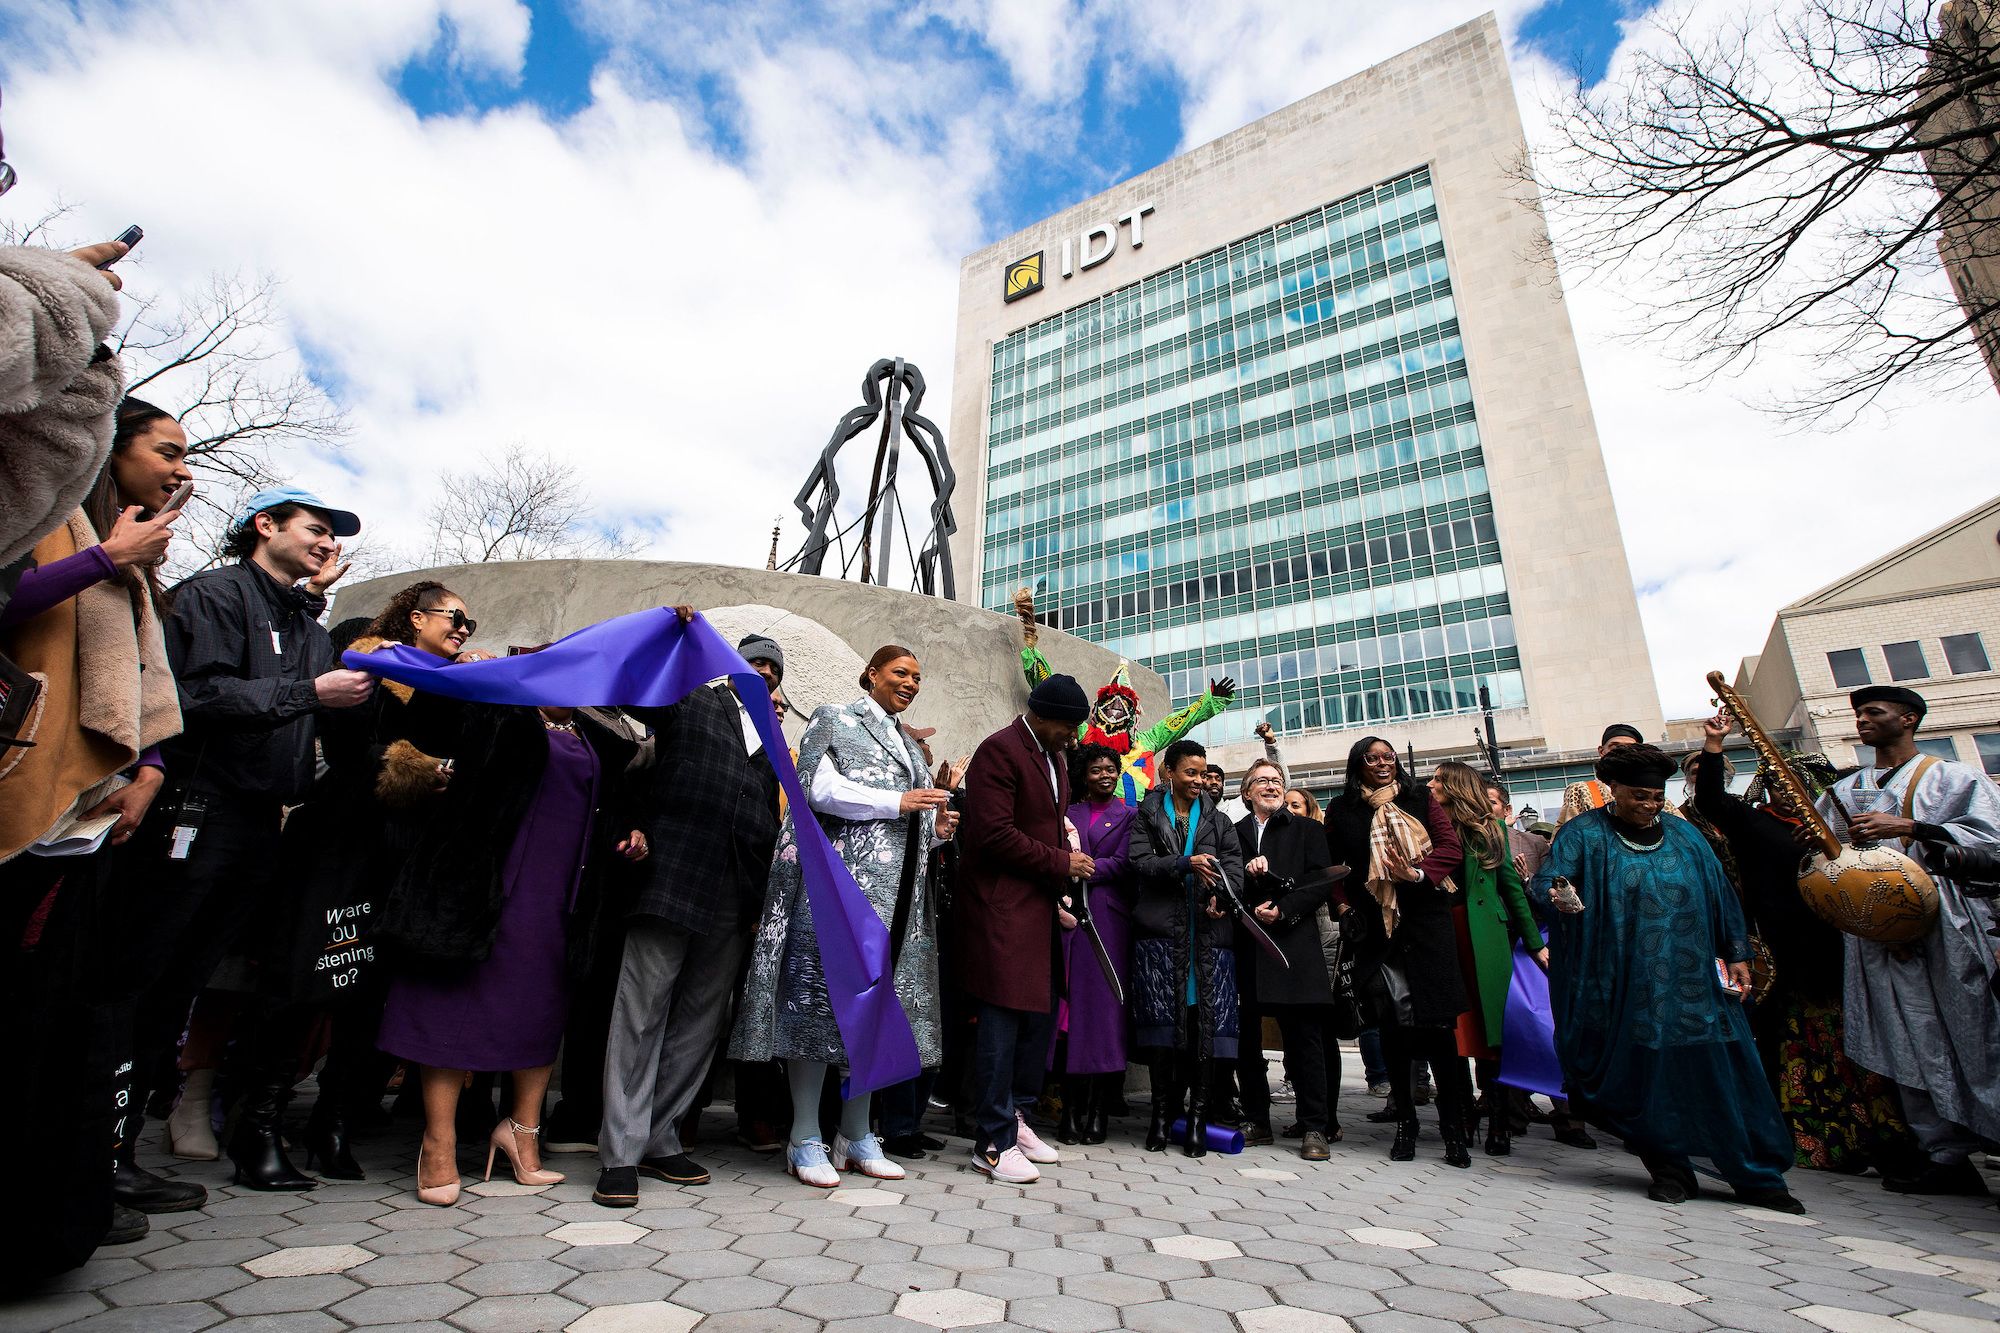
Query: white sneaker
{"x": 1031, "y": 1145}
{"x": 1009, "y": 1168}
{"x": 1284, "y": 1092}
{"x": 808, "y": 1162}
{"x": 864, "y": 1155}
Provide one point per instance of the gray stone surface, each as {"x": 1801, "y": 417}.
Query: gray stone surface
{"x": 1113, "y": 1237}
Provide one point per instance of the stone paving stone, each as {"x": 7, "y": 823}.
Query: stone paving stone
{"x": 517, "y": 1314}
{"x": 150, "y": 1319}
{"x": 1628, "y": 1312}
{"x": 1173, "y": 1317}
{"x": 1437, "y": 1304}
{"x": 401, "y": 1270}
{"x": 839, "y": 1300}
{"x": 636, "y": 1317}
{"x": 34, "y": 1314}
{"x": 307, "y": 1260}
{"x": 285, "y": 1294}
{"x": 210, "y": 1253}
{"x": 392, "y": 1305}
{"x": 949, "y": 1309}
{"x": 514, "y": 1278}
{"x": 718, "y": 1295}
{"x": 759, "y": 1321}
{"x": 176, "y": 1285}
{"x": 293, "y": 1321}
{"x": 1010, "y": 1284}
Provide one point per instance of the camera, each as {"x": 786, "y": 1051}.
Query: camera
{"x": 1976, "y": 870}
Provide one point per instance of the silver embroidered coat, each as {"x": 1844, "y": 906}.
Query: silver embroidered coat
{"x": 785, "y": 1013}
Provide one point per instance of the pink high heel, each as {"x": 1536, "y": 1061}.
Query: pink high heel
{"x": 503, "y": 1142}
{"x": 438, "y": 1196}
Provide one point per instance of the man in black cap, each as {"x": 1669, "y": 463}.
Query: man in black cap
{"x": 1015, "y": 862}
{"x": 1925, "y": 1014}
{"x": 709, "y": 807}
{"x": 1592, "y": 793}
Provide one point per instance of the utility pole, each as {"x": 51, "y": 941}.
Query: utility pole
{"x": 1492, "y": 746}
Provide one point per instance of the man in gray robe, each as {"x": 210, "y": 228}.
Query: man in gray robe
{"x": 1925, "y": 1014}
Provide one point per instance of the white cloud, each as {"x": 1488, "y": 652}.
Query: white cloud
{"x": 687, "y": 323}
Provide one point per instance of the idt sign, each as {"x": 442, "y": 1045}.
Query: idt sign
{"x": 1023, "y": 277}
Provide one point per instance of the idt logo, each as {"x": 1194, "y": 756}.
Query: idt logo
{"x": 1024, "y": 277}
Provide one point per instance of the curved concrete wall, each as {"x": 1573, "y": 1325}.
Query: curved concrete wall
{"x": 827, "y": 627}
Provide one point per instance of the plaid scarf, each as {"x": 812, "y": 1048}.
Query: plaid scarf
{"x": 1391, "y": 825}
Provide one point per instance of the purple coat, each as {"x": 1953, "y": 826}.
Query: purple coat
{"x": 1097, "y": 1023}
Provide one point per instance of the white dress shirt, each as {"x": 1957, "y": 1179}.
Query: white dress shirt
{"x": 834, "y": 793}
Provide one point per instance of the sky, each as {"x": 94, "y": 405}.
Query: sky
{"x": 664, "y": 242}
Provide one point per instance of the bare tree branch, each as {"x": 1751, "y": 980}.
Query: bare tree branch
{"x": 523, "y": 505}
{"x": 1791, "y": 182}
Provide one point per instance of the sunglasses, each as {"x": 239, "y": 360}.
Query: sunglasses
{"x": 459, "y": 620}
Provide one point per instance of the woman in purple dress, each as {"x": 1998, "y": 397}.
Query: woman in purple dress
{"x": 1095, "y": 1022}
{"x": 493, "y": 916}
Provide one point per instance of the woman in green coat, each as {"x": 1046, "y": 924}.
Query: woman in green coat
{"x": 1492, "y": 912}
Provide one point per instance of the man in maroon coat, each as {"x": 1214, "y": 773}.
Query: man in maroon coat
{"x": 1015, "y": 861}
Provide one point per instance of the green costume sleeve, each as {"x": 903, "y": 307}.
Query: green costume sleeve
{"x": 1034, "y": 666}
{"x": 1178, "y": 723}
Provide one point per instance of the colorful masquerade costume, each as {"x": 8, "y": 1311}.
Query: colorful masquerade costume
{"x": 1135, "y": 751}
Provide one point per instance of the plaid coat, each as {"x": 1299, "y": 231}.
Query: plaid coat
{"x": 710, "y": 812}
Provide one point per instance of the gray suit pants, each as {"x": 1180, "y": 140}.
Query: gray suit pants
{"x": 674, "y": 992}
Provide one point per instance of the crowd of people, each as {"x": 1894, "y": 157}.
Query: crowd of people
{"x": 239, "y": 848}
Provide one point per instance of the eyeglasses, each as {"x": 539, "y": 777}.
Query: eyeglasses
{"x": 1265, "y": 782}
{"x": 459, "y": 620}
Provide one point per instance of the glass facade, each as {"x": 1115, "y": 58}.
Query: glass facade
{"x": 1263, "y": 463}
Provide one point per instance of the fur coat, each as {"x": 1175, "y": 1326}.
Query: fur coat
{"x": 56, "y": 403}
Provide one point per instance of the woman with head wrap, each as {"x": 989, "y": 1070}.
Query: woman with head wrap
{"x": 1649, "y": 969}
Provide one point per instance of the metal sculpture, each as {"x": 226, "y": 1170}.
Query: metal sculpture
{"x": 891, "y": 392}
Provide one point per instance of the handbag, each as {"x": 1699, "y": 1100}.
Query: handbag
{"x": 1389, "y": 996}
{"x": 1347, "y": 1023}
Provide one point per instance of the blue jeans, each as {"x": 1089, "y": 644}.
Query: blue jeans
{"x": 1010, "y": 1055}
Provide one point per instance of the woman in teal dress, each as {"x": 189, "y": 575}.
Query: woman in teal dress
{"x": 1648, "y": 973}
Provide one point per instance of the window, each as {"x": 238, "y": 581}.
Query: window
{"x": 1964, "y": 654}
{"x": 1850, "y": 668}
{"x": 1906, "y": 660}
{"x": 1989, "y": 752}
{"x": 1940, "y": 746}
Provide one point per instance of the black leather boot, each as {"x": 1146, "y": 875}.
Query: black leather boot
{"x": 1097, "y": 1122}
{"x": 1167, "y": 1098}
{"x": 1404, "y": 1149}
{"x": 256, "y": 1143}
{"x": 1073, "y": 1092}
{"x": 329, "y": 1144}
{"x": 1197, "y": 1120}
{"x": 139, "y": 1189}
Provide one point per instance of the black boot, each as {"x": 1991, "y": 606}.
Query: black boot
{"x": 1097, "y": 1124}
{"x": 1166, "y": 1106}
{"x": 329, "y": 1145}
{"x": 1197, "y": 1120}
{"x": 1404, "y": 1149}
{"x": 1455, "y": 1151}
{"x": 256, "y": 1143}
{"x": 1066, "y": 1123}
{"x": 139, "y": 1189}
{"x": 1499, "y": 1142}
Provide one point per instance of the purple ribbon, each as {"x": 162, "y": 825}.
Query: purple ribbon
{"x": 650, "y": 660}
{"x": 1528, "y": 1031}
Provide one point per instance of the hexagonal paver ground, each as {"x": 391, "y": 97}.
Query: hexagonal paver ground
{"x": 1113, "y": 1236}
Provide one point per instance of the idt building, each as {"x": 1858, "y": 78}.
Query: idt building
{"x": 1303, "y": 407}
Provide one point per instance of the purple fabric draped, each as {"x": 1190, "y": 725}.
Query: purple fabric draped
{"x": 1528, "y": 1035}
{"x": 650, "y": 660}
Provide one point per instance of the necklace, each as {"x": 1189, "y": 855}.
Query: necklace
{"x": 1652, "y": 846}
{"x": 569, "y": 726}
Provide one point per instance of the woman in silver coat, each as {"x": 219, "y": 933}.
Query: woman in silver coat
{"x": 870, "y": 789}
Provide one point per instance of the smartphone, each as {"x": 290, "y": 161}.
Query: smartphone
{"x": 178, "y": 498}
{"x": 131, "y": 236}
